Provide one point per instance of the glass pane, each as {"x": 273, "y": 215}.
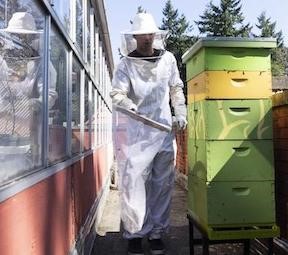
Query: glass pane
{"x": 62, "y": 8}
{"x": 99, "y": 120}
{"x": 93, "y": 117}
{"x": 57, "y": 98}
{"x": 21, "y": 86}
{"x": 79, "y": 24}
{"x": 87, "y": 136}
{"x": 96, "y": 57}
{"x": 76, "y": 85}
{"x": 88, "y": 33}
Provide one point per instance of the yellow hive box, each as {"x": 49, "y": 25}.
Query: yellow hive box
{"x": 230, "y": 85}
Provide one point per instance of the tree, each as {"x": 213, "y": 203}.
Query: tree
{"x": 267, "y": 29}
{"x": 225, "y": 20}
{"x": 178, "y": 40}
{"x": 279, "y": 55}
{"x": 279, "y": 60}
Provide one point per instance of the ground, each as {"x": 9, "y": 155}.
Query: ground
{"x": 109, "y": 239}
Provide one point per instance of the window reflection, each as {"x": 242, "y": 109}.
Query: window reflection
{"x": 88, "y": 33}
{"x": 99, "y": 117}
{"x": 87, "y": 137}
{"x": 57, "y": 112}
{"x": 93, "y": 117}
{"x": 21, "y": 87}
{"x": 76, "y": 85}
{"x": 79, "y": 24}
{"x": 62, "y": 8}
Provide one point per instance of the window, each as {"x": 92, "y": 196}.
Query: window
{"x": 87, "y": 122}
{"x": 57, "y": 98}
{"x": 98, "y": 120}
{"x": 96, "y": 57}
{"x": 88, "y": 38}
{"x": 62, "y": 8}
{"x": 93, "y": 117}
{"x": 21, "y": 87}
{"x": 76, "y": 89}
{"x": 79, "y": 24}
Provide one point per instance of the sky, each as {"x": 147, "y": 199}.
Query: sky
{"x": 120, "y": 12}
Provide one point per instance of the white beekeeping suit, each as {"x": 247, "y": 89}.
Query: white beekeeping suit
{"x": 21, "y": 96}
{"x": 145, "y": 155}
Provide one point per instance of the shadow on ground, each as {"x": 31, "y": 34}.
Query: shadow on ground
{"x": 110, "y": 241}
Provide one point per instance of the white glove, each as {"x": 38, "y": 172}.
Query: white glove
{"x": 178, "y": 102}
{"x": 179, "y": 122}
{"x": 123, "y": 101}
{"x": 133, "y": 107}
{"x": 128, "y": 104}
{"x": 35, "y": 104}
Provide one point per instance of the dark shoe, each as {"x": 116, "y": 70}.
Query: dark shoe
{"x": 157, "y": 247}
{"x": 135, "y": 246}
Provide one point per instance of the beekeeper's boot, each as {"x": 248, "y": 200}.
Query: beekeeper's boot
{"x": 156, "y": 247}
{"x": 135, "y": 246}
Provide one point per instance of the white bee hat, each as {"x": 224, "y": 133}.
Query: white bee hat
{"x": 22, "y": 23}
{"x": 143, "y": 23}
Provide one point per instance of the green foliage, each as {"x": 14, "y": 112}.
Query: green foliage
{"x": 267, "y": 29}
{"x": 224, "y": 20}
{"x": 279, "y": 56}
{"x": 178, "y": 40}
{"x": 279, "y": 60}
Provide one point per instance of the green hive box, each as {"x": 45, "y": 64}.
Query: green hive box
{"x": 216, "y": 205}
{"x": 230, "y": 148}
{"x": 231, "y": 160}
{"x": 228, "y": 53}
{"x": 230, "y": 119}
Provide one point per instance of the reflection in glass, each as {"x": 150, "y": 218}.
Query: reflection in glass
{"x": 99, "y": 117}
{"x": 79, "y": 24}
{"x": 88, "y": 33}
{"x": 76, "y": 85}
{"x": 62, "y": 8}
{"x": 57, "y": 110}
{"x": 93, "y": 117}
{"x": 21, "y": 87}
{"x": 87, "y": 123}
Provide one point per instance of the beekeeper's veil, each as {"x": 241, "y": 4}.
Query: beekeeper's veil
{"x": 21, "y": 49}
{"x": 143, "y": 23}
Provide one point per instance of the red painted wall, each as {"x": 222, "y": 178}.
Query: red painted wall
{"x": 181, "y": 157}
{"x": 280, "y": 124}
{"x": 45, "y": 219}
{"x": 39, "y": 219}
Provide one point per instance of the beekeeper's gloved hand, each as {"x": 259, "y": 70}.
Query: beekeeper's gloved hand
{"x": 128, "y": 104}
{"x": 123, "y": 101}
{"x": 178, "y": 102}
{"x": 35, "y": 104}
{"x": 179, "y": 122}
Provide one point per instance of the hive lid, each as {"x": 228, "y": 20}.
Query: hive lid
{"x": 229, "y": 42}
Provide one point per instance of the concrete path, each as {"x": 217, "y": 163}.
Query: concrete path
{"x": 109, "y": 239}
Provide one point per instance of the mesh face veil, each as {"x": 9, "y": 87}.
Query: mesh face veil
{"x": 20, "y": 69}
{"x": 21, "y": 58}
{"x": 143, "y": 23}
{"x": 128, "y": 44}
{"x": 21, "y": 46}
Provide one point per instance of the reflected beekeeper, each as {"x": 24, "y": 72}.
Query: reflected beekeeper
{"x": 145, "y": 80}
{"x": 21, "y": 95}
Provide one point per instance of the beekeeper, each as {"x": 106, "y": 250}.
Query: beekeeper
{"x": 21, "y": 95}
{"x": 144, "y": 81}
